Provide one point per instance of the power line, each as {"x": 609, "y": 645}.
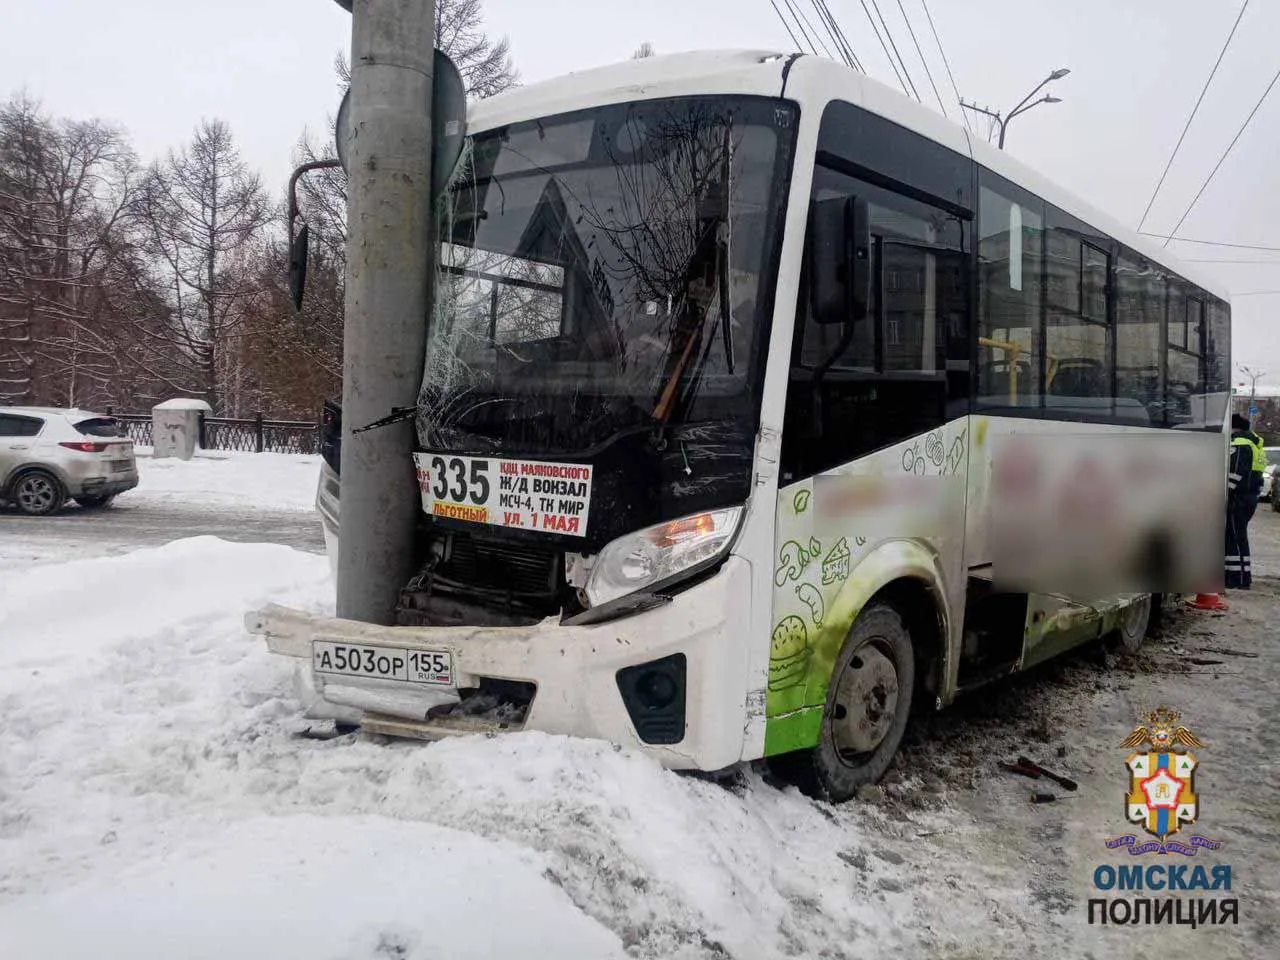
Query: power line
{"x": 1199, "y": 100}
{"x": 833, "y": 33}
{"x": 893, "y": 43}
{"x": 1256, "y": 293}
{"x": 1210, "y": 243}
{"x": 804, "y": 33}
{"x": 884, "y": 46}
{"x": 956, "y": 90}
{"x": 837, "y": 33}
{"x": 1204, "y": 186}
{"x": 798, "y": 12}
{"x": 920, "y": 53}
{"x": 787, "y": 25}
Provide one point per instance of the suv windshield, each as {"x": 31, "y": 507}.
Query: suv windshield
{"x": 606, "y": 270}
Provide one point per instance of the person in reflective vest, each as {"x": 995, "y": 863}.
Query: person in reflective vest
{"x": 1259, "y": 466}
{"x": 1242, "y": 499}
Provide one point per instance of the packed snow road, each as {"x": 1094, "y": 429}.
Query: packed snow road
{"x": 248, "y": 498}
{"x": 158, "y": 798}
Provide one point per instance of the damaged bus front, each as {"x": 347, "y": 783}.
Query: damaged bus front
{"x": 587, "y": 431}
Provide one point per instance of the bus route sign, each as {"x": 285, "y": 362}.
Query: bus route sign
{"x": 525, "y": 494}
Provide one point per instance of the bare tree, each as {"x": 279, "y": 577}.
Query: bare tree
{"x": 65, "y": 192}
{"x": 645, "y": 49}
{"x": 485, "y": 63}
{"x": 486, "y": 68}
{"x": 202, "y": 209}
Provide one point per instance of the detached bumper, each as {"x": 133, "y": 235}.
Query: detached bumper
{"x": 573, "y": 668}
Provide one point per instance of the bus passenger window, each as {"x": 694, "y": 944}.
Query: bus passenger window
{"x": 1139, "y": 315}
{"x": 1010, "y": 277}
{"x": 1077, "y": 341}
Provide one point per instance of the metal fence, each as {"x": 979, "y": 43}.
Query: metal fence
{"x": 249, "y": 435}
{"x": 138, "y": 426}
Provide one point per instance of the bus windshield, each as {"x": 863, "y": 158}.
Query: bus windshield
{"x": 603, "y": 271}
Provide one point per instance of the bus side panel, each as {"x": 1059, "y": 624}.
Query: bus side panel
{"x": 1087, "y": 518}
{"x": 842, "y": 536}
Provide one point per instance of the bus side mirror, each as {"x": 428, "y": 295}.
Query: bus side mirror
{"x": 298, "y": 266}
{"x": 839, "y": 260}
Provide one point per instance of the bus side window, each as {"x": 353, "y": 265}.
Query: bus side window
{"x": 881, "y": 378}
{"x": 1010, "y": 285}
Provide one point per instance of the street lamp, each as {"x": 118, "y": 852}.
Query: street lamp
{"x": 1026, "y": 103}
{"x": 1254, "y": 376}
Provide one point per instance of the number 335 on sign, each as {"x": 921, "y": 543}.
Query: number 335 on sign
{"x": 525, "y": 494}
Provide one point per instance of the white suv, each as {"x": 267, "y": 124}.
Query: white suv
{"x": 48, "y": 455}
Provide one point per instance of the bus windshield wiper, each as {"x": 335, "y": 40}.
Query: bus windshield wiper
{"x": 720, "y": 230}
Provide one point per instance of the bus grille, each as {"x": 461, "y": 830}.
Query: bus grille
{"x": 504, "y": 568}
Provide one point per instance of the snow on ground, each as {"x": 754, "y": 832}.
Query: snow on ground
{"x": 158, "y": 800}
{"x": 60, "y": 620}
{"x": 309, "y": 886}
{"x": 142, "y": 767}
{"x": 217, "y": 478}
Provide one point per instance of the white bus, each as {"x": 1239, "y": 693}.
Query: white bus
{"x": 725, "y": 349}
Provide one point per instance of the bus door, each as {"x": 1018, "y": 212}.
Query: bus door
{"x": 875, "y": 440}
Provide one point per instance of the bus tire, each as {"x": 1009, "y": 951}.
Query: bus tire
{"x": 1134, "y": 623}
{"x": 868, "y": 704}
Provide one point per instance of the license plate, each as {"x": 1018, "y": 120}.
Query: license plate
{"x": 433, "y": 667}
{"x": 120, "y": 466}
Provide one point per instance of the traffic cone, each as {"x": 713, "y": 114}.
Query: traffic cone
{"x": 1208, "y": 601}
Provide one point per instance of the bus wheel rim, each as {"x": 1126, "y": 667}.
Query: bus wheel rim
{"x": 865, "y": 702}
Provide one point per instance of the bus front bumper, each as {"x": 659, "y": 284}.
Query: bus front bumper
{"x": 577, "y": 673}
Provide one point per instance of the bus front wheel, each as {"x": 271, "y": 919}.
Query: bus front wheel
{"x": 868, "y": 703}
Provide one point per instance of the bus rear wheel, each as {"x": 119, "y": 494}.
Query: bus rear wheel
{"x": 1134, "y": 623}
{"x": 868, "y": 704}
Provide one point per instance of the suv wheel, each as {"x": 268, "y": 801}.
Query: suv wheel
{"x": 37, "y": 493}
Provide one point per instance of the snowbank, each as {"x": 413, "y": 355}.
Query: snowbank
{"x": 144, "y": 742}
{"x": 269, "y": 481}
{"x": 314, "y": 887}
{"x": 58, "y": 619}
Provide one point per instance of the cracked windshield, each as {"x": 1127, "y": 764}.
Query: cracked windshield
{"x": 605, "y": 270}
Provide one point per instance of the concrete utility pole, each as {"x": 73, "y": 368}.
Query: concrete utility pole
{"x": 388, "y": 296}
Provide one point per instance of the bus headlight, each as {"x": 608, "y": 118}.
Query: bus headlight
{"x": 655, "y": 555}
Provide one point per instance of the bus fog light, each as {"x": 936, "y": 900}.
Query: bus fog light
{"x": 656, "y": 690}
{"x": 654, "y": 694}
{"x": 655, "y": 555}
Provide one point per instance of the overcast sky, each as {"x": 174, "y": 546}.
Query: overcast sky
{"x": 266, "y": 66}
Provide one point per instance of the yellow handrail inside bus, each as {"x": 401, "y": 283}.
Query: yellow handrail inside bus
{"x": 1015, "y": 351}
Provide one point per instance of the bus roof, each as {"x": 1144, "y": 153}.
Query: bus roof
{"x": 809, "y": 81}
